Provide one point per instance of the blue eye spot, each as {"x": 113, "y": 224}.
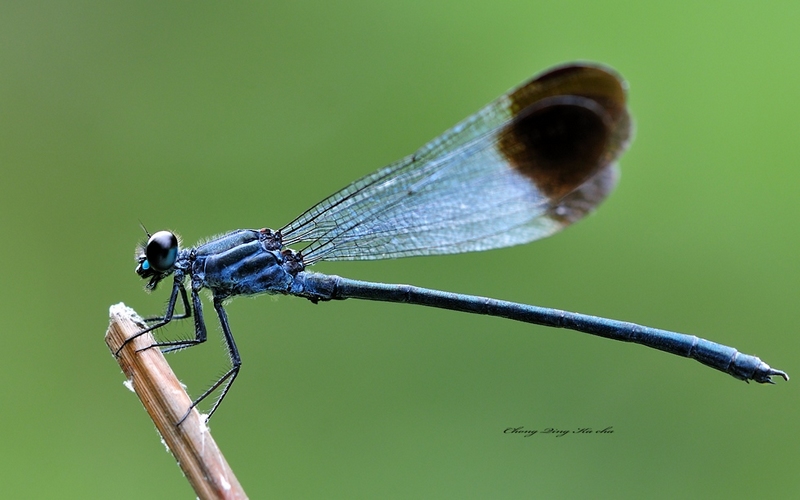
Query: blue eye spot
{"x": 145, "y": 265}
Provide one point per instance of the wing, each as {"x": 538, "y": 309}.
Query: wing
{"x": 525, "y": 166}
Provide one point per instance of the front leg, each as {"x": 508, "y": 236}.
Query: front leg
{"x": 187, "y": 311}
{"x": 200, "y": 332}
{"x": 177, "y": 289}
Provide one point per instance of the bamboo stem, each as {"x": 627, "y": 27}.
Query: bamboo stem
{"x": 166, "y": 401}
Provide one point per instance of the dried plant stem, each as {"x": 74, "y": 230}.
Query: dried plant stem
{"x": 166, "y": 401}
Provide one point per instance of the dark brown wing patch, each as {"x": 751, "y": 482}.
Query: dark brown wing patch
{"x": 569, "y": 124}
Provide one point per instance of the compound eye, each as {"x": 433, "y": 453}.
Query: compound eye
{"x": 161, "y": 251}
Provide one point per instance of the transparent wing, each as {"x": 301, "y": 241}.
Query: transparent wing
{"x": 464, "y": 191}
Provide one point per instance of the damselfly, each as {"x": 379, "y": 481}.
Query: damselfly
{"x": 530, "y": 163}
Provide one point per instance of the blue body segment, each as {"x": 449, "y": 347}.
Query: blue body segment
{"x": 238, "y": 263}
{"x": 718, "y": 356}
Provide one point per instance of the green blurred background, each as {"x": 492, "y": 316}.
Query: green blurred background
{"x": 203, "y": 118}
